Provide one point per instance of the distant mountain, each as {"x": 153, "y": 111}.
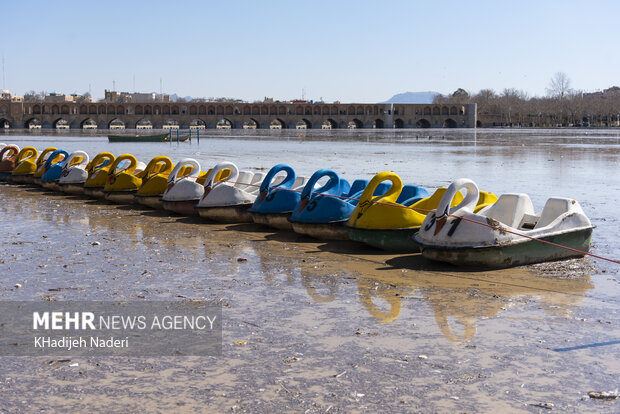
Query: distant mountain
{"x": 174, "y": 97}
{"x": 413, "y": 97}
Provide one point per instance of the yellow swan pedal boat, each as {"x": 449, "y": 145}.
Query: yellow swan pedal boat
{"x": 154, "y": 182}
{"x": 98, "y": 170}
{"x": 124, "y": 179}
{"x": 26, "y": 165}
{"x": 389, "y": 223}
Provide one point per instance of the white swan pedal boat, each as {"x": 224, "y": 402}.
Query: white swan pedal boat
{"x": 504, "y": 234}
{"x": 228, "y": 201}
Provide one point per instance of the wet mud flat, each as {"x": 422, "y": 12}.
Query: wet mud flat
{"x": 307, "y": 326}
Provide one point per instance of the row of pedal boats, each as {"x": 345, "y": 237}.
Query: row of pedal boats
{"x": 458, "y": 224}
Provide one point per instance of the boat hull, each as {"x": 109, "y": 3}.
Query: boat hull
{"x": 22, "y": 179}
{"x": 50, "y": 185}
{"x": 120, "y": 197}
{"x": 6, "y": 176}
{"x": 138, "y": 138}
{"x": 151, "y": 201}
{"x": 322, "y": 231}
{"x": 400, "y": 240}
{"x": 276, "y": 220}
{"x": 94, "y": 192}
{"x": 36, "y": 181}
{"x": 185, "y": 207}
{"x": 515, "y": 254}
{"x": 227, "y": 214}
{"x": 72, "y": 188}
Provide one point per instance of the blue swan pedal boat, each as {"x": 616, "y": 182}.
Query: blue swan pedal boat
{"x": 493, "y": 236}
{"x": 53, "y": 170}
{"x": 275, "y": 202}
{"x": 322, "y": 213}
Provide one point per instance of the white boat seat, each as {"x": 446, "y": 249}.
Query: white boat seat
{"x": 244, "y": 177}
{"x": 528, "y": 222}
{"x": 300, "y": 182}
{"x": 554, "y": 207}
{"x": 509, "y": 209}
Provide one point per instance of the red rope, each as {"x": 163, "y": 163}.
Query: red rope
{"x": 452, "y": 215}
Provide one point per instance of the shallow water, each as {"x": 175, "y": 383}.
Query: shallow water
{"x": 310, "y": 311}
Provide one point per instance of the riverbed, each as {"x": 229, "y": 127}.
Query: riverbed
{"x": 328, "y": 327}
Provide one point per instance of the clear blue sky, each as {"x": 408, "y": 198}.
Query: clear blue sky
{"x": 354, "y": 51}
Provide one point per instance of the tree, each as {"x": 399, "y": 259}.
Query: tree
{"x": 559, "y": 86}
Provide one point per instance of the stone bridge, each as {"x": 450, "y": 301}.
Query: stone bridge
{"x": 157, "y": 115}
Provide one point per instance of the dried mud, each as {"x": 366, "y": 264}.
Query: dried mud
{"x": 308, "y": 326}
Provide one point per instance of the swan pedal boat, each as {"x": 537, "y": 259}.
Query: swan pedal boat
{"x": 8, "y": 161}
{"x": 229, "y": 200}
{"x": 447, "y": 237}
{"x": 26, "y": 165}
{"x": 75, "y": 173}
{"x": 321, "y": 213}
{"x": 56, "y": 172}
{"x": 98, "y": 175}
{"x": 124, "y": 179}
{"x": 276, "y": 202}
{"x": 53, "y": 169}
{"x": 390, "y": 221}
{"x": 186, "y": 187}
{"x": 154, "y": 182}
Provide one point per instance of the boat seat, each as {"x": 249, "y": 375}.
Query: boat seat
{"x": 528, "y": 222}
{"x": 554, "y": 207}
{"x": 244, "y": 177}
{"x": 300, "y": 181}
{"x": 509, "y": 209}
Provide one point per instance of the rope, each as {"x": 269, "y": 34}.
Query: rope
{"x": 451, "y": 215}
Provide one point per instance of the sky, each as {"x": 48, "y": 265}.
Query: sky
{"x": 348, "y": 50}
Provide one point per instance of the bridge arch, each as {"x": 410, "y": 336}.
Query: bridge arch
{"x": 32, "y": 123}
{"x": 56, "y": 110}
{"x": 197, "y": 124}
{"x": 450, "y": 123}
{"x": 202, "y": 110}
{"x": 251, "y": 124}
{"x": 332, "y": 124}
{"x": 120, "y": 110}
{"x": 453, "y": 111}
{"x": 36, "y": 109}
{"x": 88, "y": 123}
{"x": 423, "y": 123}
{"x": 64, "y": 109}
{"x": 144, "y": 124}
{"x": 436, "y": 110}
{"x": 60, "y": 123}
{"x": 83, "y": 109}
{"x": 399, "y": 123}
{"x": 224, "y": 124}
{"x": 116, "y": 124}
{"x": 427, "y": 110}
{"x": 277, "y": 124}
{"x": 148, "y": 110}
{"x": 5, "y": 123}
{"x": 445, "y": 110}
{"x": 92, "y": 109}
{"x": 170, "y": 124}
{"x": 111, "y": 110}
{"x": 378, "y": 123}
{"x": 193, "y": 110}
{"x": 138, "y": 110}
{"x": 303, "y": 124}
{"x": 355, "y": 124}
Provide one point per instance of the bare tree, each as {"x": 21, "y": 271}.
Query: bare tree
{"x": 559, "y": 86}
